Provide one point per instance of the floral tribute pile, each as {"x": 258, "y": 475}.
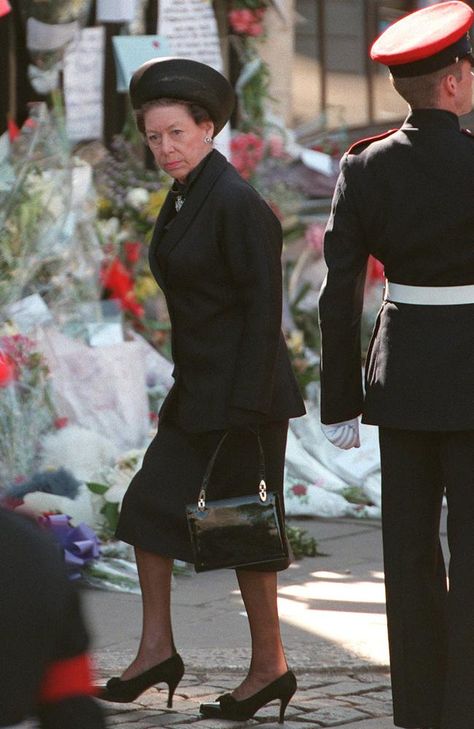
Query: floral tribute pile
{"x": 84, "y": 330}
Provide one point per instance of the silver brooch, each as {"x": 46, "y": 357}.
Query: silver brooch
{"x": 178, "y": 203}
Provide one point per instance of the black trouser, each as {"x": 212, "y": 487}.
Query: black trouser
{"x": 431, "y": 629}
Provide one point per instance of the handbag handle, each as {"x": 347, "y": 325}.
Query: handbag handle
{"x": 262, "y": 486}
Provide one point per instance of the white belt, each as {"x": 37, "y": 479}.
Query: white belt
{"x": 428, "y": 295}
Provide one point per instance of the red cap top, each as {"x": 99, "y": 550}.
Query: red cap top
{"x": 4, "y": 7}
{"x": 428, "y": 33}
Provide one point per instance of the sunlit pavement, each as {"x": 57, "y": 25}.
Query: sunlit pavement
{"x": 333, "y": 625}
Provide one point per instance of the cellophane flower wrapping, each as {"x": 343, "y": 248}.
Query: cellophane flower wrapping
{"x": 26, "y": 411}
{"x": 49, "y": 249}
{"x": 57, "y": 12}
{"x": 48, "y": 243}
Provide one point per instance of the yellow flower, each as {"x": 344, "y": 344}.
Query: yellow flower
{"x": 296, "y": 341}
{"x": 104, "y": 206}
{"x": 153, "y": 206}
{"x": 145, "y": 287}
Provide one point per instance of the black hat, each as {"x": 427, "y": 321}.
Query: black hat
{"x": 185, "y": 80}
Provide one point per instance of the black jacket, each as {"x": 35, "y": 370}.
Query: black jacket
{"x": 218, "y": 264}
{"x": 407, "y": 199}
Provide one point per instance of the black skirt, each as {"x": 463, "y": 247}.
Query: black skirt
{"x": 153, "y": 510}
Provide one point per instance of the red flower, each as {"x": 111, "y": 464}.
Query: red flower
{"x": 7, "y": 370}
{"x": 132, "y": 251}
{"x": 61, "y": 423}
{"x": 119, "y": 283}
{"x": 13, "y": 131}
{"x": 299, "y": 489}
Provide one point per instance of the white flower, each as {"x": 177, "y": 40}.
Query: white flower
{"x": 121, "y": 474}
{"x": 108, "y": 229}
{"x": 80, "y": 509}
{"x": 137, "y": 198}
{"x": 83, "y": 452}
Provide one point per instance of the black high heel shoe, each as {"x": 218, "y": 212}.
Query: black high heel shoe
{"x": 170, "y": 672}
{"x": 226, "y": 707}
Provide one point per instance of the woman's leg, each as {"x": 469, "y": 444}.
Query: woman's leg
{"x": 156, "y": 644}
{"x": 259, "y": 593}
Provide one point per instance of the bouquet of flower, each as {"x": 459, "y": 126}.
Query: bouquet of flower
{"x": 59, "y": 11}
{"x": 262, "y": 159}
{"x": 47, "y": 57}
{"x": 39, "y": 251}
{"x": 246, "y": 16}
{"x": 26, "y": 411}
{"x": 130, "y": 197}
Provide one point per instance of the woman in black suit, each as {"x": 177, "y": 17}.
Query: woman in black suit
{"x": 215, "y": 253}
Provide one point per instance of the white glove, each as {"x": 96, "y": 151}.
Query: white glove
{"x": 344, "y": 435}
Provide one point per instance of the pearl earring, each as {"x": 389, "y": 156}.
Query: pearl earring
{"x": 208, "y": 140}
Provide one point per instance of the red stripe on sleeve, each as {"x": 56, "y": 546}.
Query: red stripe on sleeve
{"x": 66, "y": 678}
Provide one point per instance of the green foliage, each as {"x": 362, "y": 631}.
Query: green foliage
{"x": 302, "y": 544}
{"x": 109, "y": 510}
{"x": 356, "y": 495}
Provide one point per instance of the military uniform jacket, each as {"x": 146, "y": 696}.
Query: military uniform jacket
{"x": 406, "y": 198}
{"x": 218, "y": 264}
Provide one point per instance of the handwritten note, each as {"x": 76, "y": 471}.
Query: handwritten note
{"x": 83, "y": 85}
{"x": 116, "y": 11}
{"x": 191, "y": 29}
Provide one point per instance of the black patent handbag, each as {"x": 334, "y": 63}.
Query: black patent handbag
{"x": 245, "y": 531}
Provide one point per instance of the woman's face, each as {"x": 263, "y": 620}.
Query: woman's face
{"x": 176, "y": 141}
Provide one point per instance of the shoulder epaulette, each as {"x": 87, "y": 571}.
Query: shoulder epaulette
{"x": 361, "y": 143}
{"x": 468, "y": 133}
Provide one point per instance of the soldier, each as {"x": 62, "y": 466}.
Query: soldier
{"x": 45, "y": 669}
{"x": 406, "y": 198}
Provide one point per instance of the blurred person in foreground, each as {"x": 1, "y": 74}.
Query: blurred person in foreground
{"x": 216, "y": 254}
{"x": 406, "y": 197}
{"x": 45, "y": 670}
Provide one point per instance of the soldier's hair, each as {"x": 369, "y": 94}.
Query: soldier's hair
{"x": 422, "y": 92}
{"x": 196, "y": 112}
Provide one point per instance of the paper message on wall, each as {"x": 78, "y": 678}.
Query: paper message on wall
{"x": 191, "y": 29}
{"x": 83, "y": 85}
{"x": 116, "y": 11}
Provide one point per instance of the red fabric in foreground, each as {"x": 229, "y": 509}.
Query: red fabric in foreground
{"x": 66, "y": 678}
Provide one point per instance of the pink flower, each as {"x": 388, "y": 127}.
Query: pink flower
{"x": 255, "y": 29}
{"x": 276, "y": 145}
{"x": 247, "y": 151}
{"x": 240, "y": 20}
{"x": 314, "y": 237}
{"x": 246, "y": 21}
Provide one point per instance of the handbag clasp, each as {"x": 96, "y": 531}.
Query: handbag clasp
{"x": 262, "y": 490}
{"x": 202, "y": 500}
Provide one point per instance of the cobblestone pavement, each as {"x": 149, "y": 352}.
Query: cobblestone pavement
{"x": 333, "y": 627}
{"x": 360, "y": 700}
